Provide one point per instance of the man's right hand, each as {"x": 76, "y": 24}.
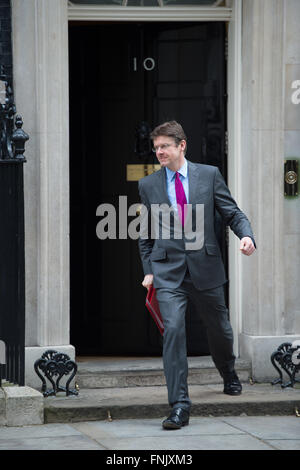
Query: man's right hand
{"x": 148, "y": 281}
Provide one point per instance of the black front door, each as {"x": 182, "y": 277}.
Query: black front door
{"x": 122, "y": 75}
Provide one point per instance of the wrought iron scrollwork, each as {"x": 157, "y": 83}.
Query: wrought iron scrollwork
{"x": 53, "y": 365}
{"x": 12, "y": 141}
{"x": 286, "y": 358}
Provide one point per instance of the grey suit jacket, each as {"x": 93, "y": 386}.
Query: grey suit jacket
{"x": 167, "y": 259}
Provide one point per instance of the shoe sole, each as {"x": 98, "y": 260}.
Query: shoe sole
{"x": 174, "y": 425}
{"x": 233, "y": 393}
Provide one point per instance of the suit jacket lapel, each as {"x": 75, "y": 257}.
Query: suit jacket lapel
{"x": 193, "y": 182}
{"x": 165, "y": 197}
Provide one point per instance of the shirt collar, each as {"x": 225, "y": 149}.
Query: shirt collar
{"x": 183, "y": 171}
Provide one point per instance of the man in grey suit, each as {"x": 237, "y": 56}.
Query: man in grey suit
{"x": 180, "y": 272}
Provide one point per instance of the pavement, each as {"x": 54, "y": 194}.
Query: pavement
{"x": 203, "y": 433}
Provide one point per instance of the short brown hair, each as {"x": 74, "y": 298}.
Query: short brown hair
{"x": 169, "y": 129}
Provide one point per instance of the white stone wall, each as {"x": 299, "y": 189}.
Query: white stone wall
{"x": 270, "y": 133}
{"x": 292, "y": 150}
{"x": 40, "y": 57}
{"x": 261, "y": 158}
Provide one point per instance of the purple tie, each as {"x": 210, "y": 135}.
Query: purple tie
{"x": 180, "y": 197}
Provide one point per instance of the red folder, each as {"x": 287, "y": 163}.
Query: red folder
{"x": 153, "y": 307}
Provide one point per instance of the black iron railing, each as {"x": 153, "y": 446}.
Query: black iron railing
{"x": 12, "y": 266}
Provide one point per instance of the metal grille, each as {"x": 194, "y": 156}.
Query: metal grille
{"x": 12, "y": 277}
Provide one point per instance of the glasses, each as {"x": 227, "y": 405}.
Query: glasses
{"x": 162, "y": 147}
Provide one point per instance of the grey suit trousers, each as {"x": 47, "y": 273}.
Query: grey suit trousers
{"x": 214, "y": 314}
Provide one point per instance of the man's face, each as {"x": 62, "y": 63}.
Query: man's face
{"x": 168, "y": 153}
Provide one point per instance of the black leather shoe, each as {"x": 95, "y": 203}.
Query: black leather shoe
{"x": 178, "y": 418}
{"x": 232, "y": 385}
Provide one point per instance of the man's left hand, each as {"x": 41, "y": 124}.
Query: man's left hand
{"x": 247, "y": 247}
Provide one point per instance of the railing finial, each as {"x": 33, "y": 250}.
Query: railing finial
{"x": 12, "y": 141}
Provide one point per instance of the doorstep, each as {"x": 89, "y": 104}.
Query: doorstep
{"x": 110, "y": 372}
{"x": 151, "y": 402}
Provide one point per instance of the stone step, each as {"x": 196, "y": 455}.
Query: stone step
{"x": 110, "y": 372}
{"x": 20, "y": 405}
{"x": 152, "y": 402}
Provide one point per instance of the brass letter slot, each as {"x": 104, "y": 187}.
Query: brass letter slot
{"x": 136, "y": 172}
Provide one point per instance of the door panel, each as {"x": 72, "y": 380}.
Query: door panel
{"x": 110, "y": 94}
{"x": 189, "y": 86}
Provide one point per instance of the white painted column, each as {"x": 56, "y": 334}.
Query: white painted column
{"x": 292, "y": 151}
{"x": 40, "y": 57}
{"x": 262, "y": 159}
